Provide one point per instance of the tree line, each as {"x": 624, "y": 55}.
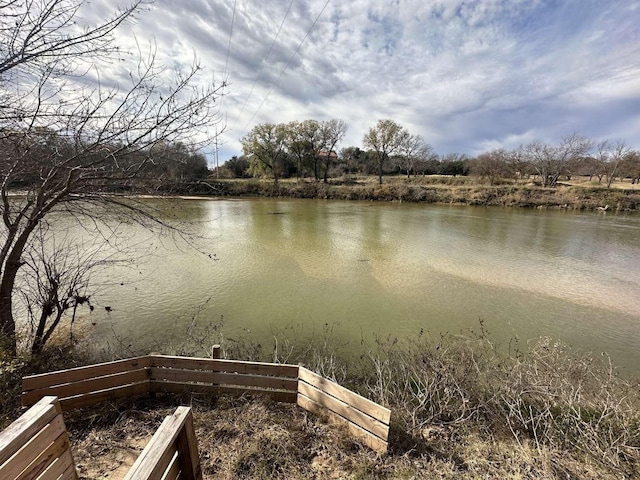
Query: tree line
{"x": 309, "y": 149}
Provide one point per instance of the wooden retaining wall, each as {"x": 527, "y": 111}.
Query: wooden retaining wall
{"x": 82, "y": 386}
{"x": 36, "y": 445}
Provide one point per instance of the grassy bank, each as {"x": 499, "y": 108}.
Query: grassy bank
{"x": 461, "y": 409}
{"x": 449, "y": 190}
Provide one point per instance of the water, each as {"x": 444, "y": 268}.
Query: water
{"x": 296, "y": 268}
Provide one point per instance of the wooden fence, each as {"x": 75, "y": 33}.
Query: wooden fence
{"x": 365, "y": 419}
{"x": 37, "y": 445}
{"x": 171, "y": 453}
{"x": 79, "y": 387}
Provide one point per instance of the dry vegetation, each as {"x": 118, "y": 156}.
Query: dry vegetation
{"x": 461, "y": 409}
{"x": 576, "y": 195}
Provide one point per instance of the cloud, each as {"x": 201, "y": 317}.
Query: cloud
{"x": 467, "y": 75}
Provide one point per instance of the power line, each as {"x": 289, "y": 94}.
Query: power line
{"x": 286, "y": 66}
{"x": 226, "y": 63}
{"x": 262, "y": 67}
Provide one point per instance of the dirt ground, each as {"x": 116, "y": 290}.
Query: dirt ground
{"x": 237, "y": 438}
{"x": 244, "y": 438}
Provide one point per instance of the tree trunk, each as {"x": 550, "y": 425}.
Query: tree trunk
{"x": 7, "y": 282}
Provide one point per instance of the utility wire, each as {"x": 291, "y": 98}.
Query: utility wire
{"x": 226, "y": 63}
{"x": 286, "y": 66}
{"x": 263, "y": 64}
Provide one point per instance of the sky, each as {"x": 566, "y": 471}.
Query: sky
{"x": 468, "y": 76}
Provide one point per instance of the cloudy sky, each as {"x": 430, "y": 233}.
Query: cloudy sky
{"x": 466, "y": 75}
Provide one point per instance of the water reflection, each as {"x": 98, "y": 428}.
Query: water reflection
{"x": 392, "y": 268}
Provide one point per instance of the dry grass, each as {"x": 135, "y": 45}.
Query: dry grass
{"x": 254, "y": 439}
{"x": 462, "y": 409}
{"x": 448, "y": 190}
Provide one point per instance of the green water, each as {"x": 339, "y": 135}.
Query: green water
{"x": 293, "y": 269}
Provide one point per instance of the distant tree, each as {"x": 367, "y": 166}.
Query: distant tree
{"x": 453, "y": 164}
{"x": 492, "y": 165}
{"x": 265, "y": 146}
{"x": 332, "y": 133}
{"x": 429, "y": 165}
{"x": 353, "y": 159}
{"x": 304, "y": 143}
{"x": 412, "y": 149}
{"x": 237, "y": 166}
{"x": 549, "y": 162}
{"x": 170, "y": 166}
{"x": 384, "y": 139}
{"x": 631, "y": 166}
{"x": 609, "y": 157}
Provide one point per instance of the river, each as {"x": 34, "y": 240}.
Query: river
{"x": 351, "y": 271}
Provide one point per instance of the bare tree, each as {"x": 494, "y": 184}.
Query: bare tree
{"x": 551, "y": 161}
{"x": 412, "y": 149}
{"x": 66, "y": 140}
{"x": 303, "y": 140}
{"x": 384, "y": 139}
{"x": 631, "y": 166}
{"x": 609, "y": 157}
{"x": 333, "y": 131}
{"x": 493, "y": 165}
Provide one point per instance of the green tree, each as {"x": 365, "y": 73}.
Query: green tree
{"x": 238, "y": 166}
{"x": 453, "y": 164}
{"x": 265, "y": 145}
{"x": 384, "y": 139}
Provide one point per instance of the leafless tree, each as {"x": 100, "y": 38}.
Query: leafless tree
{"x": 412, "y": 149}
{"x": 609, "y": 157}
{"x": 493, "y": 165}
{"x": 333, "y": 131}
{"x": 549, "y": 162}
{"x": 65, "y": 138}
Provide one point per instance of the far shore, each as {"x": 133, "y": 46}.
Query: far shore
{"x": 576, "y": 194}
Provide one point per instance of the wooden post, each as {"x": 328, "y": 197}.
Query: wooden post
{"x": 215, "y": 352}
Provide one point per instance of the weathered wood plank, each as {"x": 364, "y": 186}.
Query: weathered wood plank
{"x": 338, "y": 406}
{"x": 157, "y": 455}
{"x": 347, "y": 396}
{"x": 33, "y": 382}
{"x": 32, "y": 421}
{"x": 105, "y": 395}
{"x": 61, "y": 467}
{"x": 200, "y": 376}
{"x": 46, "y": 458}
{"x": 369, "y": 439}
{"x": 177, "y": 387}
{"x": 32, "y": 451}
{"x": 187, "y": 446}
{"x": 173, "y": 470}
{"x": 87, "y": 386}
{"x": 231, "y": 366}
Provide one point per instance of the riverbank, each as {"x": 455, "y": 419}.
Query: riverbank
{"x": 444, "y": 190}
{"x": 460, "y": 409}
